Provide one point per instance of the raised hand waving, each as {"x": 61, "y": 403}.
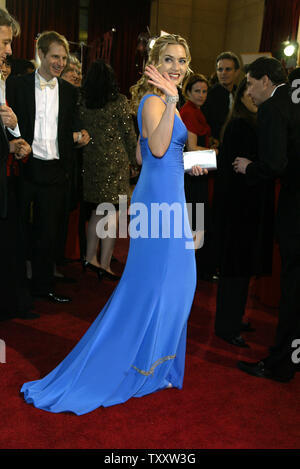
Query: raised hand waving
{"x": 161, "y": 81}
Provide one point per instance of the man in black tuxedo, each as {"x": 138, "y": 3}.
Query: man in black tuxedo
{"x": 8, "y": 28}
{"x": 279, "y": 156}
{"x": 216, "y": 110}
{"x": 47, "y": 111}
{"x": 15, "y": 300}
{"x": 220, "y": 96}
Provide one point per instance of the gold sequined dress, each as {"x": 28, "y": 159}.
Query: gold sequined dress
{"x": 107, "y": 158}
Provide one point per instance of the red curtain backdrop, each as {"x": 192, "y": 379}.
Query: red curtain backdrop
{"x": 36, "y": 16}
{"x": 129, "y": 19}
{"x": 281, "y": 20}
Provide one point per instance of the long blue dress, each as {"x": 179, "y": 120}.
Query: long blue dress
{"x": 136, "y": 345}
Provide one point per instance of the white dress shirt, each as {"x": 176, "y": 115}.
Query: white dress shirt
{"x": 45, "y": 144}
{"x": 231, "y": 99}
{"x": 15, "y": 132}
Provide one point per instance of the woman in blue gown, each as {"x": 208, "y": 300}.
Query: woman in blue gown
{"x": 136, "y": 345}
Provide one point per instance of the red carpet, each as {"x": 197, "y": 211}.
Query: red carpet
{"x": 219, "y": 406}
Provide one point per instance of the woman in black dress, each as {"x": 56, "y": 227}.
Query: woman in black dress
{"x": 199, "y": 138}
{"x": 197, "y": 189}
{"x": 243, "y": 221}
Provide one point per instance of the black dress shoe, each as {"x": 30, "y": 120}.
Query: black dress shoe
{"x": 238, "y": 341}
{"x": 28, "y": 315}
{"x": 246, "y": 327}
{"x": 109, "y": 275}
{"x": 259, "y": 370}
{"x": 64, "y": 279}
{"x": 54, "y": 297}
{"x": 88, "y": 266}
{"x": 102, "y": 273}
{"x": 6, "y": 317}
{"x": 208, "y": 277}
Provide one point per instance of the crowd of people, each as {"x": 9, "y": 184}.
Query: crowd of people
{"x": 55, "y": 177}
{"x": 68, "y": 140}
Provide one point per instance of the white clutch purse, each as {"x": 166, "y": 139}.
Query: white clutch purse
{"x": 207, "y": 159}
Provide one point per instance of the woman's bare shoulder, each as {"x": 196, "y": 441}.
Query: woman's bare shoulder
{"x": 153, "y": 103}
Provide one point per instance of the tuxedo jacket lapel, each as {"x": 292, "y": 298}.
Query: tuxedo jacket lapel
{"x": 30, "y": 97}
{"x": 4, "y": 131}
{"x": 4, "y": 149}
{"x": 62, "y": 101}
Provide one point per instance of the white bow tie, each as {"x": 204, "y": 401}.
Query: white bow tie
{"x": 50, "y": 83}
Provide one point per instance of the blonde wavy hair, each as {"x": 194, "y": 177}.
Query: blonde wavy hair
{"x": 142, "y": 87}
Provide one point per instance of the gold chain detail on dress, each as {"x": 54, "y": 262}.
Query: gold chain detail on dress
{"x": 155, "y": 364}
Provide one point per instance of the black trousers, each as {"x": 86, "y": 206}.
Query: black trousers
{"x": 63, "y": 224}
{"x": 14, "y": 292}
{"x": 288, "y": 327}
{"x": 231, "y": 302}
{"x": 42, "y": 211}
{"x": 73, "y": 197}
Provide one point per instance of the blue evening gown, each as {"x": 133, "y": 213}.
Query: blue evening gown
{"x": 136, "y": 345}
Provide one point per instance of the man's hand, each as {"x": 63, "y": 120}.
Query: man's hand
{"x": 20, "y": 148}
{"x": 82, "y": 138}
{"x": 8, "y": 117}
{"x": 240, "y": 165}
